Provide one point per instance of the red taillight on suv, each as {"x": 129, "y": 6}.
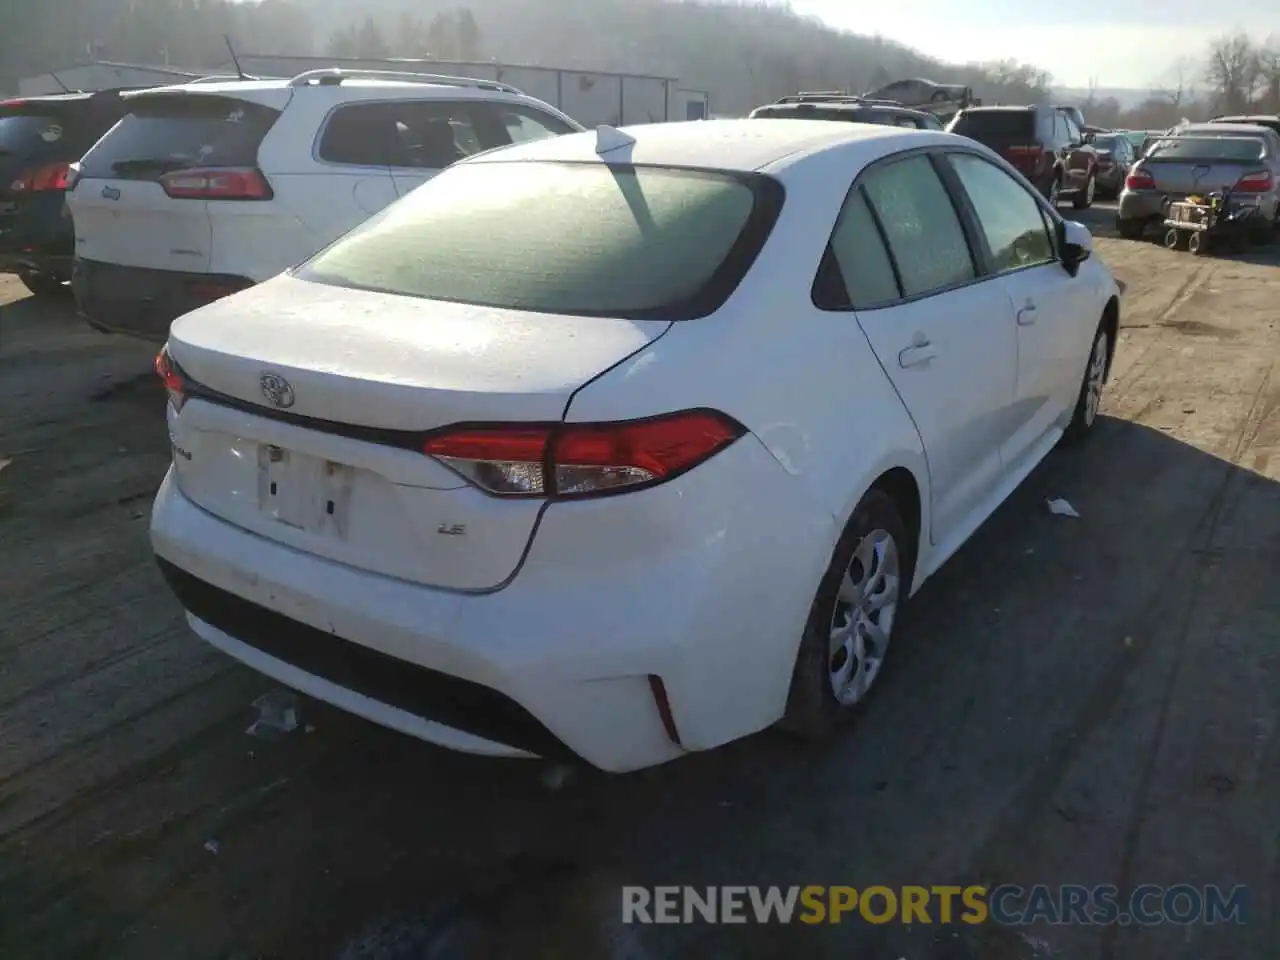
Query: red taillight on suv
{"x": 1140, "y": 180}
{"x": 583, "y": 459}
{"x": 217, "y": 183}
{"x": 1025, "y": 150}
{"x": 171, "y": 376}
{"x": 50, "y": 177}
{"x": 1259, "y": 182}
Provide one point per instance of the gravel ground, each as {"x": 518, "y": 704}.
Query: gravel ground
{"x": 1087, "y": 700}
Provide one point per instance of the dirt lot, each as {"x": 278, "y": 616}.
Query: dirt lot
{"x": 1089, "y": 701}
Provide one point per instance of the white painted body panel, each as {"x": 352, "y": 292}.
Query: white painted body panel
{"x": 669, "y": 581}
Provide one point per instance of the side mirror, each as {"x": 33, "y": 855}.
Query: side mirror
{"x": 1075, "y": 245}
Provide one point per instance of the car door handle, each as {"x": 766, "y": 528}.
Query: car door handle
{"x": 917, "y": 355}
{"x": 1027, "y": 315}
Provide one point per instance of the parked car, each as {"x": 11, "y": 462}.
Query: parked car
{"x": 39, "y": 139}
{"x": 1270, "y": 121}
{"x": 207, "y": 188}
{"x": 847, "y": 110}
{"x": 1115, "y": 157}
{"x": 508, "y": 467}
{"x": 1200, "y": 159}
{"x": 1043, "y": 143}
{"x": 916, "y": 91}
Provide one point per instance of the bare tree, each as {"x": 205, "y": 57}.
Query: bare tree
{"x": 1178, "y": 85}
{"x": 1233, "y": 71}
{"x": 1269, "y": 74}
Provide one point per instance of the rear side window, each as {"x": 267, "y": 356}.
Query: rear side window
{"x": 996, "y": 125}
{"x": 424, "y": 134}
{"x": 168, "y": 132}
{"x": 584, "y": 239}
{"x": 863, "y": 276}
{"x": 925, "y": 238}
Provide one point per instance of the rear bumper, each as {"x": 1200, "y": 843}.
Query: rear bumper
{"x": 561, "y": 661}
{"x": 1140, "y": 205}
{"x": 37, "y": 236}
{"x": 143, "y": 302}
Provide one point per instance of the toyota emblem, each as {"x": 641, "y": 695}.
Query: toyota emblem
{"x": 277, "y": 390}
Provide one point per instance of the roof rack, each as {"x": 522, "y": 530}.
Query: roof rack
{"x": 222, "y": 78}
{"x": 837, "y": 98}
{"x": 327, "y": 76}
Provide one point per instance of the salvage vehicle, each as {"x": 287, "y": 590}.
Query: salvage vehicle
{"x": 209, "y": 187}
{"x": 40, "y": 137}
{"x": 1201, "y": 159}
{"x": 528, "y": 466}
{"x": 1044, "y": 143}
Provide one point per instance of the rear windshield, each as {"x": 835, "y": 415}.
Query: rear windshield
{"x": 1206, "y": 148}
{"x": 995, "y": 124}
{"x": 1105, "y": 143}
{"x": 22, "y": 135}
{"x": 172, "y": 131}
{"x": 570, "y": 238}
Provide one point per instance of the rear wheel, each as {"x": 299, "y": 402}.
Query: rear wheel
{"x": 1131, "y": 229}
{"x": 1084, "y": 199}
{"x": 1055, "y": 192}
{"x": 851, "y": 620}
{"x": 1090, "y": 397}
{"x": 43, "y": 284}
{"x": 1197, "y": 243}
{"x": 1173, "y": 238}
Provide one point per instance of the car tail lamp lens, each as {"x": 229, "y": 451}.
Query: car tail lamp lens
{"x": 217, "y": 183}
{"x": 50, "y": 177}
{"x": 1259, "y": 182}
{"x": 583, "y": 459}
{"x": 1025, "y": 150}
{"x": 171, "y": 376}
{"x": 1140, "y": 180}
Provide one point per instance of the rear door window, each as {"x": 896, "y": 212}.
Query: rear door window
{"x": 922, "y": 227}
{"x": 864, "y": 275}
{"x": 416, "y": 134}
{"x": 170, "y": 132}
{"x": 524, "y": 124}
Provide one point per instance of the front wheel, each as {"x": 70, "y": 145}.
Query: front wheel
{"x": 851, "y": 620}
{"x": 42, "y": 284}
{"x": 1084, "y": 199}
{"x": 1090, "y": 396}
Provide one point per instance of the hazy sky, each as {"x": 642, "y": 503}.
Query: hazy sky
{"x": 1123, "y": 43}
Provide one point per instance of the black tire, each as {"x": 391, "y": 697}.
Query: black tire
{"x": 1131, "y": 229}
{"x": 1084, "y": 199}
{"x": 813, "y": 712}
{"x": 1197, "y": 244}
{"x": 1264, "y": 232}
{"x": 43, "y": 284}
{"x": 1082, "y": 418}
{"x": 1172, "y": 238}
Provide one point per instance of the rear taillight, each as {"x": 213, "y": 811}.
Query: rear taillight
{"x": 171, "y": 376}
{"x": 50, "y": 177}
{"x": 1025, "y": 150}
{"x": 583, "y": 459}
{"x": 1259, "y": 182}
{"x": 1140, "y": 180}
{"x": 73, "y": 175}
{"x": 217, "y": 183}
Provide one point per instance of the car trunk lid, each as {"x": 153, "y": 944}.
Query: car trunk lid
{"x": 124, "y": 214}
{"x": 321, "y": 397}
{"x": 1010, "y": 133}
{"x": 1195, "y": 165}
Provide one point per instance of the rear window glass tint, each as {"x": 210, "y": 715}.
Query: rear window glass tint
{"x": 996, "y": 124}
{"x": 583, "y": 239}
{"x": 27, "y": 135}
{"x": 163, "y": 133}
{"x": 1206, "y": 148}
{"x": 860, "y": 253}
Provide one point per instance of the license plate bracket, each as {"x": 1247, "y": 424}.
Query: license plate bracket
{"x": 304, "y": 492}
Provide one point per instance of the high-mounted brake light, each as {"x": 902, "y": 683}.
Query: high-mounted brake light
{"x": 1257, "y": 182}
{"x": 583, "y": 459}
{"x": 1140, "y": 180}
{"x": 217, "y": 183}
{"x": 171, "y": 376}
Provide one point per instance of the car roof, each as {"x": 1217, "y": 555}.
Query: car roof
{"x": 738, "y": 145}
{"x": 1248, "y": 129}
{"x": 1003, "y": 108}
{"x": 1245, "y": 118}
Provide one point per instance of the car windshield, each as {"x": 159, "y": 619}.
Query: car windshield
{"x": 586, "y": 239}
{"x": 1242, "y": 148}
{"x": 996, "y": 124}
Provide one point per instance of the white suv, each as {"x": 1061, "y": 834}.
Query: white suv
{"x": 209, "y": 187}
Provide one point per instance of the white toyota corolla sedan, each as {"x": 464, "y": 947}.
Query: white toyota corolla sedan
{"x": 626, "y": 444}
